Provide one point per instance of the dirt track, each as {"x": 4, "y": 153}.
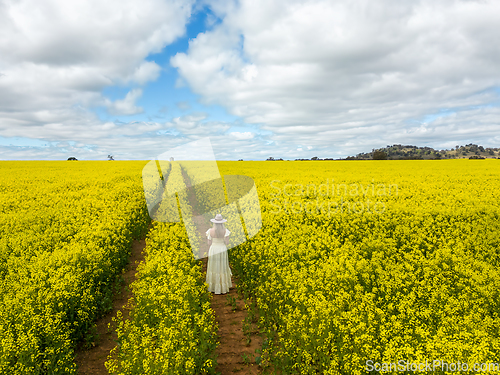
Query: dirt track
{"x": 236, "y": 351}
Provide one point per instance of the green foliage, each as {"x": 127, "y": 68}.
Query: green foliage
{"x": 379, "y": 155}
{"x": 230, "y": 300}
{"x": 408, "y": 152}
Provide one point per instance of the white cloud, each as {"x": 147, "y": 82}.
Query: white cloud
{"x": 242, "y": 135}
{"x": 183, "y": 105}
{"x": 350, "y": 73}
{"x": 194, "y": 125}
{"x": 328, "y": 78}
{"x": 56, "y": 56}
{"x": 136, "y": 140}
{"x": 147, "y": 71}
{"x": 126, "y": 106}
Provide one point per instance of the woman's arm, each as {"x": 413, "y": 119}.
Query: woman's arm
{"x": 209, "y": 238}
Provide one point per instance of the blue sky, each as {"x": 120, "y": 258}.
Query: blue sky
{"x": 287, "y": 79}
{"x": 163, "y": 98}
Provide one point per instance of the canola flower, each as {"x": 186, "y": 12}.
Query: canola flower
{"x": 66, "y": 230}
{"x": 172, "y": 329}
{"x": 419, "y": 280}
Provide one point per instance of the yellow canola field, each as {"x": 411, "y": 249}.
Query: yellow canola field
{"x": 375, "y": 265}
{"x": 356, "y": 263}
{"x": 65, "y": 234}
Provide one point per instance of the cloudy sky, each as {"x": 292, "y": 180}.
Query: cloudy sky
{"x": 281, "y": 78}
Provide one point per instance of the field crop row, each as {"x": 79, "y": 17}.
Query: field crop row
{"x": 172, "y": 329}
{"x": 66, "y": 230}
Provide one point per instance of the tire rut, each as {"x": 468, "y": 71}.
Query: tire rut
{"x": 236, "y": 353}
{"x": 91, "y": 361}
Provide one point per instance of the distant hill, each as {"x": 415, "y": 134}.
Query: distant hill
{"x": 406, "y": 152}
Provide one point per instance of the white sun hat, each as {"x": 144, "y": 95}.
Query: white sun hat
{"x": 218, "y": 219}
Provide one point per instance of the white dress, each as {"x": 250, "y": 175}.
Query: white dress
{"x": 218, "y": 271}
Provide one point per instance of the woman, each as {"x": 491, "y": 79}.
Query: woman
{"x": 218, "y": 271}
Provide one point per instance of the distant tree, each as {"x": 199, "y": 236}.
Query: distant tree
{"x": 110, "y": 157}
{"x": 314, "y": 158}
{"x": 270, "y": 159}
{"x": 72, "y": 158}
{"x": 379, "y": 155}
